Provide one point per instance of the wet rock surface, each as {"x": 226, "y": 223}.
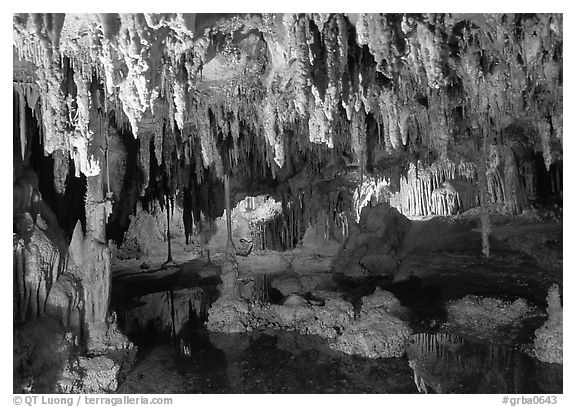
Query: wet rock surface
{"x": 264, "y": 362}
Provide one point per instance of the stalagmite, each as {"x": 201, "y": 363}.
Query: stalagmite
{"x": 168, "y": 237}
{"x": 230, "y": 267}
{"x": 229, "y": 242}
{"x": 22, "y": 115}
{"x": 95, "y": 268}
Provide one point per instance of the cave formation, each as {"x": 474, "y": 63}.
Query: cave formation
{"x": 381, "y": 185}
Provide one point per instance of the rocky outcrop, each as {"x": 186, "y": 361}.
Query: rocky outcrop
{"x": 105, "y": 337}
{"x": 90, "y": 375}
{"x": 377, "y": 332}
{"x": 330, "y": 319}
{"x": 142, "y": 236}
{"x": 372, "y": 247}
{"x": 548, "y": 344}
{"x": 229, "y": 314}
{"x": 381, "y": 336}
{"x": 96, "y": 374}
{"x": 489, "y": 319}
{"x": 381, "y": 302}
{"x": 109, "y": 355}
{"x": 235, "y": 315}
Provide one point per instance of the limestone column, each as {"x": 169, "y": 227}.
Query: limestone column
{"x": 230, "y": 266}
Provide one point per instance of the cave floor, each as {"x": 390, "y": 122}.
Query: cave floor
{"x": 442, "y": 261}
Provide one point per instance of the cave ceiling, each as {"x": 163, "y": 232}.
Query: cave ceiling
{"x": 269, "y": 96}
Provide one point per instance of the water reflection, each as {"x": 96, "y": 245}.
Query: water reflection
{"x": 287, "y": 362}
{"x": 276, "y": 362}
{"x": 444, "y": 363}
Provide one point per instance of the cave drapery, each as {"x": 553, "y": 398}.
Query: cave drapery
{"x": 449, "y": 109}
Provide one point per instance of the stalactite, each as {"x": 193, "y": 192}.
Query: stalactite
{"x": 284, "y": 106}
{"x": 301, "y": 56}
{"x": 333, "y": 65}
{"x": 179, "y": 103}
{"x": 61, "y": 169}
{"x": 54, "y": 110}
{"x": 495, "y": 188}
{"x": 22, "y": 124}
{"x": 82, "y": 135}
{"x": 158, "y": 118}
{"x": 358, "y": 136}
{"x": 544, "y": 130}
{"x": 210, "y": 155}
{"x": 429, "y": 35}
{"x": 144, "y": 157}
{"x": 483, "y": 186}
{"x": 516, "y": 199}
{"x": 273, "y": 136}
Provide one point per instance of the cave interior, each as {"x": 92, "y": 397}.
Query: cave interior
{"x": 239, "y": 194}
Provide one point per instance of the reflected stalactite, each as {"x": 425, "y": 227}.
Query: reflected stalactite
{"x": 446, "y": 363}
